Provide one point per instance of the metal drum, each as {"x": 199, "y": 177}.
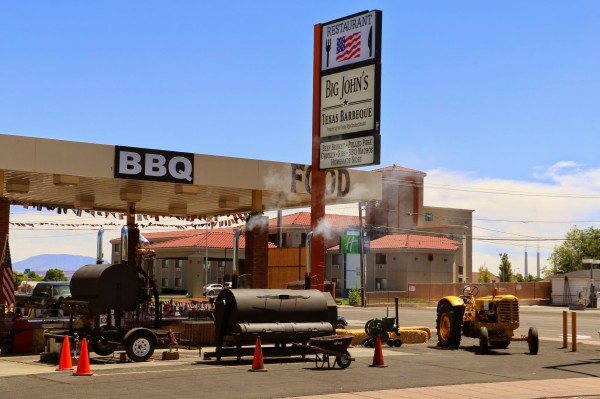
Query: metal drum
{"x": 278, "y": 316}
{"x": 95, "y": 288}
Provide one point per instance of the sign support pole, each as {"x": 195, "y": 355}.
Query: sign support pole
{"x": 317, "y": 193}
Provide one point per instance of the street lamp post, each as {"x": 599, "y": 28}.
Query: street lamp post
{"x": 592, "y": 262}
{"x": 361, "y": 243}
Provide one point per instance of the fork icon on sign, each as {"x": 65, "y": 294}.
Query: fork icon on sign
{"x": 327, "y": 49}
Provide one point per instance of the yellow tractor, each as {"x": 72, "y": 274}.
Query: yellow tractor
{"x": 492, "y": 319}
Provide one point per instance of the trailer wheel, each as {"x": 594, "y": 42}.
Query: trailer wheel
{"x": 140, "y": 346}
{"x": 102, "y": 347}
{"x": 397, "y": 342}
{"x": 483, "y": 340}
{"x": 344, "y": 360}
{"x": 533, "y": 341}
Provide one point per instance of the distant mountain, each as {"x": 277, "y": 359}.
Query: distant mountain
{"x": 63, "y": 262}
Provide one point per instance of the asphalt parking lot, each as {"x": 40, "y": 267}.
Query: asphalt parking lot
{"x": 417, "y": 365}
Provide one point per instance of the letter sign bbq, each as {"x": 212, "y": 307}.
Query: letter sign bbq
{"x": 154, "y": 165}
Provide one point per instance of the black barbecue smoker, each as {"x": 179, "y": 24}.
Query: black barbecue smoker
{"x": 111, "y": 289}
{"x": 278, "y": 317}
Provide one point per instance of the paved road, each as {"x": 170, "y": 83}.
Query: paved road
{"x": 548, "y": 320}
{"x": 421, "y": 365}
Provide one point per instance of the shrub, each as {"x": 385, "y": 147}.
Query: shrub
{"x": 354, "y": 297}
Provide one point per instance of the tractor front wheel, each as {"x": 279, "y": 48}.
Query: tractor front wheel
{"x": 449, "y": 323}
{"x": 483, "y": 340}
{"x": 533, "y": 341}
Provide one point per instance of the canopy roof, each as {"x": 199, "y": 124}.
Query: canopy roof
{"x": 88, "y": 176}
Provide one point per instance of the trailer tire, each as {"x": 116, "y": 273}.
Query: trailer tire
{"x": 102, "y": 348}
{"x": 140, "y": 346}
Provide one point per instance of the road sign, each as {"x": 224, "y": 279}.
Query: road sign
{"x": 350, "y": 91}
{"x": 350, "y": 101}
{"x": 350, "y": 243}
{"x": 350, "y": 152}
{"x": 351, "y": 39}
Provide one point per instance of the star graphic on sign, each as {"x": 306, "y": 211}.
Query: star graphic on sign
{"x": 345, "y": 102}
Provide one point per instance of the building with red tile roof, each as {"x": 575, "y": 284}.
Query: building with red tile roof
{"x": 409, "y": 242}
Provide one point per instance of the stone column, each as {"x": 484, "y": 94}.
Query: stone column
{"x": 257, "y": 255}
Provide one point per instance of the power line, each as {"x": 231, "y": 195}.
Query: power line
{"x": 491, "y": 190}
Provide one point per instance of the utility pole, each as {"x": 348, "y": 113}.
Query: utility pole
{"x": 361, "y": 244}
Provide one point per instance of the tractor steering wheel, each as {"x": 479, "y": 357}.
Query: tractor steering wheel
{"x": 471, "y": 290}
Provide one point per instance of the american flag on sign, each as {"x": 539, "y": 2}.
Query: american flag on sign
{"x": 348, "y": 47}
{"x": 8, "y": 285}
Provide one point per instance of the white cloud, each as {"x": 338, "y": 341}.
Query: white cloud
{"x": 518, "y": 210}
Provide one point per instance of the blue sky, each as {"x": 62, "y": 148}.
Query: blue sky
{"x": 487, "y": 95}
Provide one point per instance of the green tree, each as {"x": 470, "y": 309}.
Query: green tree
{"x": 484, "y": 275}
{"x": 579, "y": 244}
{"x": 55, "y": 275}
{"x": 33, "y": 276}
{"x": 505, "y": 269}
{"x": 18, "y": 278}
{"x": 531, "y": 278}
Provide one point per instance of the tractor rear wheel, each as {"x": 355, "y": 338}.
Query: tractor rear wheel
{"x": 449, "y": 321}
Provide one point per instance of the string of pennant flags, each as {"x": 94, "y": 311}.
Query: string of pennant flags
{"x": 143, "y": 220}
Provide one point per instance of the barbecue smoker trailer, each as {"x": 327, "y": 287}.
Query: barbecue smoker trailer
{"x": 278, "y": 317}
{"x": 111, "y": 289}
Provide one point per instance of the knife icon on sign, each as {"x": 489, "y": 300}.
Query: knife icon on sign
{"x": 370, "y": 41}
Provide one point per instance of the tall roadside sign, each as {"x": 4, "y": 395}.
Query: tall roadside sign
{"x": 349, "y": 128}
{"x": 346, "y": 110}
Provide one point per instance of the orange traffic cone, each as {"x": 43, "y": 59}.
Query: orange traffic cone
{"x": 258, "y": 363}
{"x": 65, "y": 356}
{"x": 83, "y": 364}
{"x": 378, "y": 355}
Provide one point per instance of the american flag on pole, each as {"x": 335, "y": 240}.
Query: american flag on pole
{"x": 8, "y": 285}
{"x": 348, "y": 47}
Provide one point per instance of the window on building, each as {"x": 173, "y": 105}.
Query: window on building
{"x": 381, "y": 283}
{"x": 337, "y": 259}
{"x": 165, "y": 264}
{"x": 429, "y": 217}
{"x": 178, "y": 264}
{"x": 453, "y": 236}
{"x": 274, "y": 238}
{"x": 164, "y": 282}
{"x": 177, "y": 282}
{"x": 380, "y": 259}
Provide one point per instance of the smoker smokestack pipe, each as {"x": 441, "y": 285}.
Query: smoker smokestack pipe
{"x": 99, "y": 257}
{"x": 308, "y": 245}
{"x": 234, "y": 277}
{"x": 124, "y": 244}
